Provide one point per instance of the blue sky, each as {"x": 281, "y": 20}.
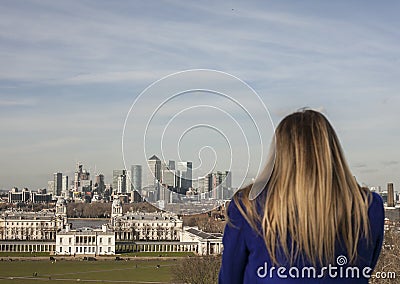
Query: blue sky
{"x": 71, "y": 69}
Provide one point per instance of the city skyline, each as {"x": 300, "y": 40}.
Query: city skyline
{"x": 67, "y": 181}
{"x": 109, "y": 179}
{"x": 71, "y": 70}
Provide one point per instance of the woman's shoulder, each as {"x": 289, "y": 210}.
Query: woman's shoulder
{"x": 376, "y": 214}
{"x": 242, "y": 210}
{"x": 376, "y": 203}
{"x": 235, "y": 203}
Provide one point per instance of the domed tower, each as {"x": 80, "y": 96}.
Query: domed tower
{"x": 116, "y": 209}
{"x": 61, "y": 212}
{"x": 61, "y": 207}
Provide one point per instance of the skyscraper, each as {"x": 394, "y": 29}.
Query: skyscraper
{"x": 57, "y": 184}
{"x": 64, "y": 186}
{"x": 171, "y": 165}
{"x": 99, "y": 183}
{"x": 136, "y": 177}
{"x": 154, "y": 175}
{"x": 77, "y": 177}
{"x": 50, "y": 187}
{"x": 119, "y": 181}
{"x": 390, "y": 196}
{"x": 185, "y": 172}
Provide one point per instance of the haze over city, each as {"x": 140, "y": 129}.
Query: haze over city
{"x": 71, "y": 70}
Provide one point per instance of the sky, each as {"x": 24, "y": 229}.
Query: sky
{"x": 71, "y": 70}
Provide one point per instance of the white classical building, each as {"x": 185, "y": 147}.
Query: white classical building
{"x": 159, "y": 232}
{"x": 85, "y": 241}
{"x": 31, "y": 231}
{"x": 139, "y": 226}
{"x": 49, "y": 231}
{"x": 207, "y": 243}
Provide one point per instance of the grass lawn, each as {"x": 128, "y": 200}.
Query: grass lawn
{"x": 111, "y": 271}
{"x": 22, "y": 254}
{"x": 156, "y": 254}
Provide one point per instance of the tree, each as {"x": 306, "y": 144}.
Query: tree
{"x": 198, "y": 270}
{"x": 389, "y": 260}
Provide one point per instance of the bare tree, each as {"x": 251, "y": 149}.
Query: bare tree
{"x": 198, "y": 270}
{"x": 387, "y": 270}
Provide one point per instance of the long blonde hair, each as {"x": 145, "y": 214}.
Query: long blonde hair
{"x": 311, "y": 198}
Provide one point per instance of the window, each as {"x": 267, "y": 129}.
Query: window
{"x": 69, "y": 249}
{"x": 109, "y": 240}
{"x": 109, "y": 249}
{"x": 61, "y": 240}
{"x": 70, "y": 240}
{"x": 101, "y": 240}
{"x": 100, "y": 249}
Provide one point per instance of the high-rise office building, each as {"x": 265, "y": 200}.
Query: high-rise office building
{"x": 390, "y": 195}
{"x": 154, "y": 175}
{"x": 77, "y": 177}
{"x": 64, "y": 186}
{"x": 119, "y": 181}
{"x": 226, "y": 179}
{"x": 136, "y": 177}
{"x": 170, "y": 178}
{"x": 82, "y": 182}
{"x": 185, "y": 174}
{"x": 171, "y": 165}
{"x": 99, "y": 183}
{"x": 216, "y": 185}
{"x": 57, "y": 184}
{"x": 121, "y": 186}
{"x": 168, "y": 174}
{"x": 50, "y": 187}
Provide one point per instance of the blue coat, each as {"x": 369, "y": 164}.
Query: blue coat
{"x": 245, "y": 258}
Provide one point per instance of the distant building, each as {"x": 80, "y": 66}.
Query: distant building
{"x": 207, "y": 243}
{"x": 136, "y": 197}
{"x": 390, "y": 195}
{"x": 50, "y": 187}
{"x": 136, "y": 226}
{"x": 116, "y": 209}
{"x": 136, "y": 177}
{"x": 119, "y": 181}
{"x": 57, "y": 188}
{"x": 99, "y": 184}
{"x": 64, "y": 187}
{"x": 85, "y": 241}
{"x": 171, "y": 165}
{"x": 216, "y": 185}
{"x": 20, "y": 225}
{"x": 170, "y": 178}
{"x": 77, "y": 177}
{"x": 185, "y": 172}
{"x": 82, "y": 182}
{"x": 154, "y": 175}
{"x": 15, "y": 196}
{"x": 41, "y": 196}
{"x": 393, "y": 214}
